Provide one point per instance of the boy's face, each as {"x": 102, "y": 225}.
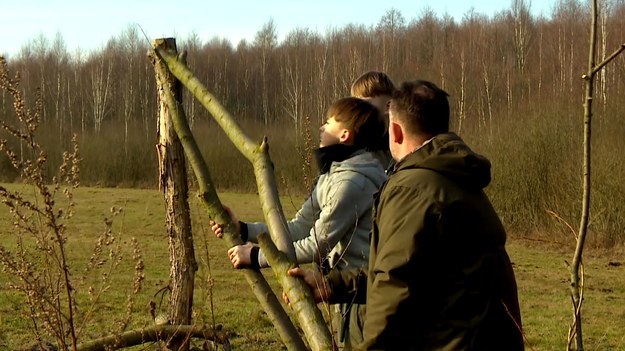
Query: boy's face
{"x": 332, "y": 132}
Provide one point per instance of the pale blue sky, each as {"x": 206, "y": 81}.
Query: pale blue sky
{"x": 89, "y": 24}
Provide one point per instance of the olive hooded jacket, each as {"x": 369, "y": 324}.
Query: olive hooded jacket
{"x": 439, "y": 277}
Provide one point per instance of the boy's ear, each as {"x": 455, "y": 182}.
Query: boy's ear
{"x": 346, "y": 137}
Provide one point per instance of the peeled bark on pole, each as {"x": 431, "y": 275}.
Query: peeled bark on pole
{"x": 173, "y": 182}
{"x": 210, "y": 199}
{"x": 300, "y": 295}
{"x": 263, "y": 168}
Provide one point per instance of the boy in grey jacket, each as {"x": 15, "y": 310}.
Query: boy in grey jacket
{"x": 332, "y": 227}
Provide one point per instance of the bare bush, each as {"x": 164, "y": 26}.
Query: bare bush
{"x": 58, "y": 302}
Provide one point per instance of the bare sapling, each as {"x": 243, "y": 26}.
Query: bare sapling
{"x": 577, "y": 271}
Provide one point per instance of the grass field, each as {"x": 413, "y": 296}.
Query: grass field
{"x": 540, "y": 267}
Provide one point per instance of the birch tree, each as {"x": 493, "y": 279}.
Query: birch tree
{"x": 100, "y": 89}
{"x": 265, "y": 41}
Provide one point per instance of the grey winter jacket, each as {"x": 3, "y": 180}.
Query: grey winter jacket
{"x": 335, "y": 221}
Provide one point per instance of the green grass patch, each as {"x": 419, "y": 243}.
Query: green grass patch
{"x": 541, "y": 271}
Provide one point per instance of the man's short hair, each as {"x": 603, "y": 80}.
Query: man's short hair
{"x": 421, "y": 107}
{"x": 360, "y": 117}
{"x": 371, "y": 84}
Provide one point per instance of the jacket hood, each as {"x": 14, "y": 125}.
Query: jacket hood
{"x": 448, "y": 155}
{"x": 364, "y": 163}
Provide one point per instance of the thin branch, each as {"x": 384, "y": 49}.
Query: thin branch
{"x": 559, "y": 218}
{"x": 606, "y": 61}
{"x": 265, "y": 179}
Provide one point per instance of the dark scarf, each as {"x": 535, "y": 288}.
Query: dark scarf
{"x": 332, "y": 153}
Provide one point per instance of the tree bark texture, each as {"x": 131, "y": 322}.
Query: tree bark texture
{"x": 173, "y": 183}
{"x": 210, "y": 199}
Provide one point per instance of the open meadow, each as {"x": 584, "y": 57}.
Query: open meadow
{"x": 223, "y": 296}
{"x": 515, "y": 96}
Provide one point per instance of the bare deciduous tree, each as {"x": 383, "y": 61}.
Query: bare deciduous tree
{"x": 101, "y": 85}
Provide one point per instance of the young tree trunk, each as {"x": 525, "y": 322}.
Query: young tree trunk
{"x": 461, "y": 111}
{"x": 173, "y": 182}
{"x": 209, "y": 196}
{"x": 577, "y": 272}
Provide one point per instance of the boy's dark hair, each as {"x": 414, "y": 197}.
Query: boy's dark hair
{"x": 359, "y": 116}
{"x": 421, "y": 107}
{"x": 372, "y": 84}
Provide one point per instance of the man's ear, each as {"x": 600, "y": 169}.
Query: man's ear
{"x": 398, "y": 133}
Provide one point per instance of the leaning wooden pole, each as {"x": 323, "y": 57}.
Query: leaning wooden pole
{"x": 280, "y": 264}
{"x": 263, "y": 168}
{"x": 257, "y": 155}
{"x": 210, "y": 199}
{"x": 173, "y": 183}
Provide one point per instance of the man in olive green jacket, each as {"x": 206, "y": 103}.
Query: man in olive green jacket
{"x": 439, "y": 277}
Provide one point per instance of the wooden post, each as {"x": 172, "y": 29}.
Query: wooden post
{"x": 173, "y": 183}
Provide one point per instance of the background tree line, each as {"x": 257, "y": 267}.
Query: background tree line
{"x": 513, "y": 79}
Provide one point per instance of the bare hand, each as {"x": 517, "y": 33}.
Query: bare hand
{"x": 218, "y": 230}
{"x": 240, "y": 255}
{"x": 316, "y": 282}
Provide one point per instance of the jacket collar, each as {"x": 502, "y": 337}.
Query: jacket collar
{"x": 332, "y": 153}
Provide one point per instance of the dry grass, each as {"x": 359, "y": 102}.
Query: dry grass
{"x": 540, "y": 267}
{"x": 143, "y": 218}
